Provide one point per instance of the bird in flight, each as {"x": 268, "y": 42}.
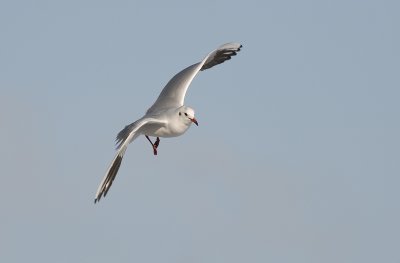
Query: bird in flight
{"x": 168, "y": 116}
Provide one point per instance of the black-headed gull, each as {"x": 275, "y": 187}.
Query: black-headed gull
{"x": 167, "y": 117}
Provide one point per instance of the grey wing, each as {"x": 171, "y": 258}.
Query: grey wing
{"x": 173, "y": 94}
{"x": 127, "y": 135}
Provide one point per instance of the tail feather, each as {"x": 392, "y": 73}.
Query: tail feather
{"x": 124, "y": 134}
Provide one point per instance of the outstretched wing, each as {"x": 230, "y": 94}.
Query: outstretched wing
{"x": 173, "y": 94}
{"x": 125, "y": 136}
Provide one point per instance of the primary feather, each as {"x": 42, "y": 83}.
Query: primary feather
{"x": 173, "y": 94}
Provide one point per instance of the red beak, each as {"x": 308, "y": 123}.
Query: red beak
{"x": 195, "y": 121}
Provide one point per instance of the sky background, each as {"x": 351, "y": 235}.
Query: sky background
{"x": 296, "y": 158}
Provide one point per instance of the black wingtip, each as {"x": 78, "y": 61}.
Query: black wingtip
{"x": 110, "y": 178}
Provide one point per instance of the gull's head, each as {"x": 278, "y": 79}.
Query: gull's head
{"x": 186, "y": 114}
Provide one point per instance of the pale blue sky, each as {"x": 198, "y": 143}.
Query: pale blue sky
{"x": 296, "y": 158}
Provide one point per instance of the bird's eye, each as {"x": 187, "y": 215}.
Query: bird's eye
{"x": 180, "y": 113}
{"x": 185, "y": 114}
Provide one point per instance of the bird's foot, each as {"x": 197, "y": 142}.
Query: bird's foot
{"x": 155, "y": 145}
{"x": 157, "y": 142}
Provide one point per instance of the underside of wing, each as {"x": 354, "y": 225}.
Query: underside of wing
{"x": 173, "y": 94}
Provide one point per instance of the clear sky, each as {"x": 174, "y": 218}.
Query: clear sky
{"x": 296, "y": 158}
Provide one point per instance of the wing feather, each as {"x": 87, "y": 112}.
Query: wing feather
{"x": 173, "y": 94}
{"x": 124, "y": 137}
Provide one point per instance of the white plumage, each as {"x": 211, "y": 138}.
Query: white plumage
{"x": 167, "y": 117}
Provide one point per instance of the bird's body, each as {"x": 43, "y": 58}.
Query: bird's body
{"x": 166, "y": 126}
{"x": 167, "y": 117}
{"x": 172, "y": 127}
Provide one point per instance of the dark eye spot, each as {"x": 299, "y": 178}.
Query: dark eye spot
{"x": 180, "y": 113}
{"x": 185, "y": 114}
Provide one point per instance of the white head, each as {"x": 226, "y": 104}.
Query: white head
{"x": 186, "y": 114}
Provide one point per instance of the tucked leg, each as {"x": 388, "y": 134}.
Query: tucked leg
{"x": 157, "y": 142}
{"x": 155, "y": 145}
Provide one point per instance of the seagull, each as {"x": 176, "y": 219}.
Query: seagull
{"x": 168, "y": 116}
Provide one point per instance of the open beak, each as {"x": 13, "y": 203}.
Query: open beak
{"x": 194, "y": 121}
